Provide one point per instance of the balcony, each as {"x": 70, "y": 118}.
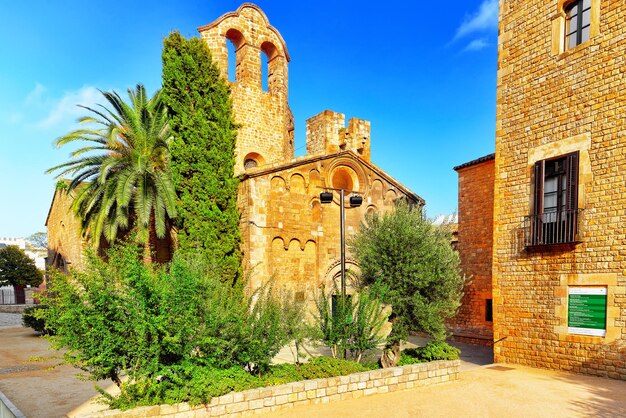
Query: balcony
{"x": 553, "y": 228}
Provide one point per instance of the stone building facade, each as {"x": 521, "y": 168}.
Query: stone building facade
{"x": 289, "y": 236}
{"x": 474, "y": 320}
{"x": 559, "y": 244}
{"x": 65, "y": 243}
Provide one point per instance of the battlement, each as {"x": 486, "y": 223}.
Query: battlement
{"x": 326, "y": 133}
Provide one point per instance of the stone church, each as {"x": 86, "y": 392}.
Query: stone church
{"x": 288, "y": 234}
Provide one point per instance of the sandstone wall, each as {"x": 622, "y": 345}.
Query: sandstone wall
{"x": 309, "y": 392}
{"x": 290, "y": 236}
{"x": 550, "y": 102}
{"x": 266, "y": 132}
{"x": 65, "y": 246}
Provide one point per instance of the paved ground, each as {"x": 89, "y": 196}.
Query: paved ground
{"x": 30, "y": 380}
{"x": 488, "y": 391}
{"x": 483, "y": 390}
{"x": 10, "y": 319}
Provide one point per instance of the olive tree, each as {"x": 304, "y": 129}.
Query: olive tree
{"x": 413, "y": 261}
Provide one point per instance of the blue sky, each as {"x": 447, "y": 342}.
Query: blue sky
{"x": 424, "y": 74}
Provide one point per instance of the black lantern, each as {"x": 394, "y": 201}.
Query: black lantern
{"x": 326, "y": 197}
{"x": 356, "y": 201}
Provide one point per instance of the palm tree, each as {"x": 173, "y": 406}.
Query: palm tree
{"x": 121, "y": 176}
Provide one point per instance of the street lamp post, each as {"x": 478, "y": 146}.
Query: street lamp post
{"x": 355, "y": 201}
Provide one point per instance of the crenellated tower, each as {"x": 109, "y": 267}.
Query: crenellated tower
{"x": 266, "y": 132}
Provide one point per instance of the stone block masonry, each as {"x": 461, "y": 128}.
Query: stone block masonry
{"x": 551, "y": 102}
{"x": 309, "y": 392}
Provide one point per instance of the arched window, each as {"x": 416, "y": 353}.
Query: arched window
{"x": 269, "y": 70}
{"x": 234, "y": 42}
{"x": 250, "y": 163}
{"x": 252, "y": 160}
{"x": 232, "y": 64}
{"x": 264, "y": 71}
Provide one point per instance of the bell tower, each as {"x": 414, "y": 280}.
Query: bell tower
{"x": 266, "y": 128}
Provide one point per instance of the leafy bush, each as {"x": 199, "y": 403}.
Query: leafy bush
{"x": 320, "y": 367}
{"x": 170, "y": 331}
{"x": 197, "y": 384}
{"x": 434, "y": 350}
{"x": 184, "y": 383}
{"x": 354, "y": 325}
{"x": 35, "y": 317}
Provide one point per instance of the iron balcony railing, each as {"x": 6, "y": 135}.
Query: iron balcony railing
{"x": 551, "y": 228}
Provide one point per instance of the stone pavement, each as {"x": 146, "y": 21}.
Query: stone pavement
{"x": 483, "y": 389}
{"x": 10, "y": 319}
{"x": 488, "y": 391}
{"x": 31, "y": 378}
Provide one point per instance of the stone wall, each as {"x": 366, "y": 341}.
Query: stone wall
{"x": 266, "y": 123}
{"x": 326, "y": 133}
{"x": 309, "y": 392}
{"x": 290, "y": 237}
{"x": 552, "y": 101}
{"x": 65, "y": 246}
{"x": 475, "y": 242}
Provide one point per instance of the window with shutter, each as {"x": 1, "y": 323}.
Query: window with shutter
{"x": 555, "y": 202}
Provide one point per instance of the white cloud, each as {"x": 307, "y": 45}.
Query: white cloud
{"x": 484, "y": 19}
{"x": 476, "y": 45}
{"x": 66, "y": 108}
{"x": 35, "y": 96}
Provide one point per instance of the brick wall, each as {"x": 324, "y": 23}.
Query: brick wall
{"x": 475, "y": 241}
{"x": 309, "y": 392}
{"x": 550, "y": 102}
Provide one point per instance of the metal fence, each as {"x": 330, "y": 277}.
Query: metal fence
{"x": 7, "y": 296}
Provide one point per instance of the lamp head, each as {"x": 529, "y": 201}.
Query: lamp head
{"x": 326, "y": 197}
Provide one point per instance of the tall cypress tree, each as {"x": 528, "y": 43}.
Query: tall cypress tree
{"x": 202, "y": 154}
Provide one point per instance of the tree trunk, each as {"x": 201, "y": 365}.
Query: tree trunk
{"x": 147, "y": 254}
{"x": 391, "y": 355}
{"x": 20, "y": 295}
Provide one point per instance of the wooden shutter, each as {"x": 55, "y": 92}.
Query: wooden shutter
{"x": 538, "y": 192}
{"x": 571, "y": 171}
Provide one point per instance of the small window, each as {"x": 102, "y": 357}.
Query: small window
{"x": 577, "y": 23}
{"x": 489, "y": 310}
{"x": 250, "y": 163}
{"x": 555, "y": 207}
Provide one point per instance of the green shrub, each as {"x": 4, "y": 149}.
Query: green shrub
{"x": 409, "y": 356}
{"x": 434, "y": 350}
{"x": 282, "y": 373}
{"x": 184, "y": 383}
{"x": 197, "y": 385}
{"x": 320, "y": 367}
{"x": 354, "y": 325}
{"x": 172, "y": 332}
{"x": 438, "y": 350}
{"x": 35, "y": 317}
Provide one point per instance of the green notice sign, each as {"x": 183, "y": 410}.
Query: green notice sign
{"x": 587, "y": 311}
